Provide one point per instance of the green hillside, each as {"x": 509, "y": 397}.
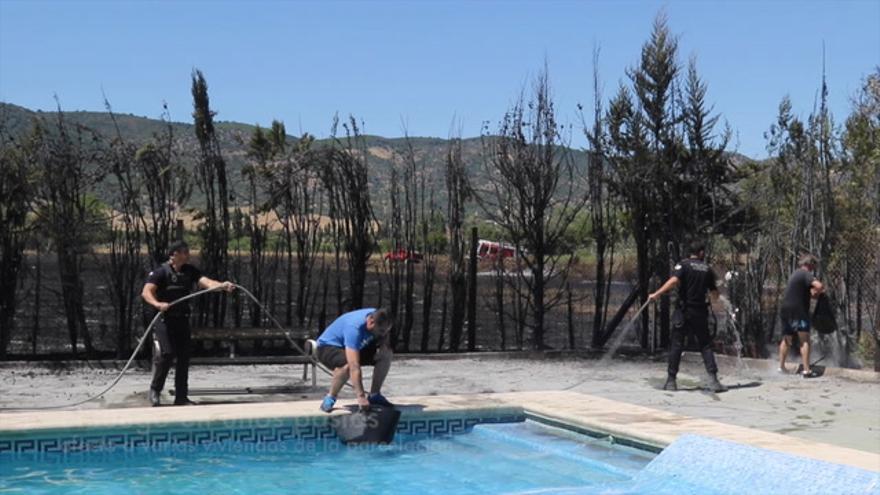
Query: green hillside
{"x": 431, "y": 152}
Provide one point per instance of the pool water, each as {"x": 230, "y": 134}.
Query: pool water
{"x": 503, "y": 458}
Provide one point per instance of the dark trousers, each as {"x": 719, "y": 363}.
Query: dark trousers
{"x": 171, "y": 339}
{"x": 693, "y": 322}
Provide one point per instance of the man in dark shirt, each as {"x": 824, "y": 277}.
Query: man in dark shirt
{"x": 694, "y": 279}
{"x": 171, "y": 334}
{"x": 795, "y": 312}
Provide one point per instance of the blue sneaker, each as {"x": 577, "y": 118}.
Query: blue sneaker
{"x": 379, "y": 400}
{"x": 328, "y": 403}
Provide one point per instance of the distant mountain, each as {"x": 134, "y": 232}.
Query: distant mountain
{"x": 234, "y": 136}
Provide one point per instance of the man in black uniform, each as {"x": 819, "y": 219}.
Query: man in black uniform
{"x": 795, "y": 311}
{"x": 695, "y": 279}
{"x": 171, "y": 334}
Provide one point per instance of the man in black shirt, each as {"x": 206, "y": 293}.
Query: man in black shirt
{"x": 795, "y": 311}
{"x": 695, "y": 279}
{"x": 171, "y": 334}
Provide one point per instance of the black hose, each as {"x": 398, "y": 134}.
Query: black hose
{"x": 147, "y": 333}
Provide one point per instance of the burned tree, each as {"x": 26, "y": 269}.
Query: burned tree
{"x": 260, "y": 152}
{"x": 628, "y": 157}
{"x": 653, "y": 81}
{"x": 296, "y": 196}
{"x": 166, "y": 187}
{"x": 345, "y": 178}
{"x": 602, "y": 207}
{"x": 669, "y": 168}
{"x": 860, "y": 215}
{"x": 430, "y": 248}
{"x": 15, "y": 191}
{"x": 124, "y": 269}
{"x": 457, "y": 194}
{"x": 213, "y": 183}
{"x": 410, "y": 236}
{"x": 531, "y": 195}
{"x": 432, "y": 239}
{"x": 307, "y": 200}
{"x": 394, "y": 228}
{"x": 67, "y": 163}
{"x": 822, "y": 181}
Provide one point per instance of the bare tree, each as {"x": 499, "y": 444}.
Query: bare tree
{"x": 67, "y": 162}
{"x": 603, "y": 209}
{"x": 166, "y": 183}
{"x": 260, "y": 151}
{"x": 394, "y": 231}
{"x": 296, "y": 196}
{"x": 124, "y": 268}
{"x": 531, "y": 195}
{"x": 430, "y": 220}
{"x": 457, "y": 194}
{"x": 345, "y": 177}
{"x": 410, "y": 226}
{"x": 15, "y": 191}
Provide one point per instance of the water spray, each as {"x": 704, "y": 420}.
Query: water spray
{"x": 616, "y": 343}
{"x": 731, "y": 318}
{"x": 146, "y": 334}
{"x": 619, "y": 339}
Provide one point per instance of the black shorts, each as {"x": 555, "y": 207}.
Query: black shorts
{"x": 334, "y": 357}
{"x": 793, "y": 325}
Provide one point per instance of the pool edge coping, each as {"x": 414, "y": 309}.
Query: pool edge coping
{"x": 642, "y": 427}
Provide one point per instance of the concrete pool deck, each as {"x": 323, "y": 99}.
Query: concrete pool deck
{"x": 581, "y": 411}
{"x": 840, "y": 409}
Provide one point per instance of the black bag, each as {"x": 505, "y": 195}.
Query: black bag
{"x": 824, "y": 320}
{"x": 375, "y": 425}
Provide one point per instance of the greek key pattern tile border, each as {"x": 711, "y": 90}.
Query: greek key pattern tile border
{"x": 69, "y": 442}
{"x": 449, "y": 426}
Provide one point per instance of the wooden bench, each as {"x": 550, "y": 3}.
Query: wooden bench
{"x": 230, "y": 337}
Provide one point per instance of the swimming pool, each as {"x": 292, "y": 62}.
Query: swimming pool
{"x": 444, "y": 445}
{"x": 518, "y": 457}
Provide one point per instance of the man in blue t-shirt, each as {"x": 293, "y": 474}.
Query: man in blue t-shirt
{"x": 357, "y": 338}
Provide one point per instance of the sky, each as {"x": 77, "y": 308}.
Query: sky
{"x": 431, "y": 68}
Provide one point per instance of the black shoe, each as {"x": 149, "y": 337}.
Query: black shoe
{"x": 670, "y": 385}
{"x": 154, "y": 398}
{"x": 714, "y": 385}
{"x": 809, "y": 374}
{"x": 184, "y": 402}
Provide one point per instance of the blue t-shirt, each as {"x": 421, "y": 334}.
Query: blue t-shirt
{"x": 349, "y": 330}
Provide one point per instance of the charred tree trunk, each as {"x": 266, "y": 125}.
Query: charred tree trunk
{"x": 457, "y": 193}
{"x": 570, "y": 317}
{"x": 440, "y": 341}
{"x": 38, "y": 290}
{"x": 499, "y": 301}
{"x": 472, "y": 293}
